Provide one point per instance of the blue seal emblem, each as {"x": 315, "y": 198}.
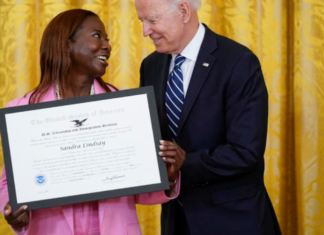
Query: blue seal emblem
{"x": 40, "y": 179}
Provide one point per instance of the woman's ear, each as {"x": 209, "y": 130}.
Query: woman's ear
{"x": 69, "y": 46}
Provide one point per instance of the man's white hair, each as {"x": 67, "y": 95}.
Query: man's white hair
{"x": 195, "y": 4}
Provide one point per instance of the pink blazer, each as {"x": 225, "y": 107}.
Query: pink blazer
{"x": 117, "y": 216}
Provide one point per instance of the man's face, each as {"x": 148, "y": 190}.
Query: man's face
{"x": 162, "y": 25}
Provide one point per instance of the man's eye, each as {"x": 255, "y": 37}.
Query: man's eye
{"x": 97, "y": 35}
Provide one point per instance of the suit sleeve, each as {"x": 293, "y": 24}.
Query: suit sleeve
{"x": 157, "y": 197}
{"x": 142, "y": 79}
{"x": 4, "y": 195}
{"x": 246, "y": 113}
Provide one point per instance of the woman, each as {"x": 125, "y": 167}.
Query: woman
{"x": 74, "y": 51}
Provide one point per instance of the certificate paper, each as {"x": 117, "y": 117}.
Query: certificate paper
{"x": 82, "y": 149}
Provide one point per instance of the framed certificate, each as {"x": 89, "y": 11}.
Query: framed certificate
{"x": 82, "y": 149}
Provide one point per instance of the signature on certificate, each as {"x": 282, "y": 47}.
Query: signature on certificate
{"x": 113, "y": 178}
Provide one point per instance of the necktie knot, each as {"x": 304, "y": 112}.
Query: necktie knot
{"x": 179, "y": 60}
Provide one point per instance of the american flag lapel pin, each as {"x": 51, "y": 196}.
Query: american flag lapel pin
{"x": 205, "y": 64}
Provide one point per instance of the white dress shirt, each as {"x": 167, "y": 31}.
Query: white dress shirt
{"x": 191, "y": 53}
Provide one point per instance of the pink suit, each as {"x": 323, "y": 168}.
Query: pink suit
{"x": 117, "y": 216}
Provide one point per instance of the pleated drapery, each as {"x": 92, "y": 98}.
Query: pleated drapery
{"x": 286, "y": 35}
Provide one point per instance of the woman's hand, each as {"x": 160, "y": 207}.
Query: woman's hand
{"x": 17, "y": 219}
{"x": 174, "y": 156}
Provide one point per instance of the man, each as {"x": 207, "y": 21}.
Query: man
{"x": 213, "y": 103}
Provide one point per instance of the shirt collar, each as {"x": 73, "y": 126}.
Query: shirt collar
{"x": 192, "y": 49}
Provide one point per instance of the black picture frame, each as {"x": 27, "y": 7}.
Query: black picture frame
{"x": 163, "y": 185}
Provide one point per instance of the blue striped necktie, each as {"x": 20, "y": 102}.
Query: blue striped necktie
{"x": 174, "y": 96}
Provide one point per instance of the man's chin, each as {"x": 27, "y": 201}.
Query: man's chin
{"x": 161, "y": 50}
{"x": 165, "y": 50}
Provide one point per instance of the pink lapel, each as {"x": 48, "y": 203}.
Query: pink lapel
{"x": 68, "y": 214}
{"x": 102, "y": 208}
{"x": 49, "y": 95}
{"x": 102, "y": 204}
{"x": 98, "y": 89}
{"x": 68, "y": 210}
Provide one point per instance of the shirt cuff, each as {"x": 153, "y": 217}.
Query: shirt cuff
{"x": 174, "y": 190}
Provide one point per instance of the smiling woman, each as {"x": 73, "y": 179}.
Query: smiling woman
{"x": 74, "y": 51}
{"x": 74, "y": 54}
{"x": 89, "y": 49}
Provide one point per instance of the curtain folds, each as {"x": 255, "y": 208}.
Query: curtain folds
{"x": 286, "y": 35}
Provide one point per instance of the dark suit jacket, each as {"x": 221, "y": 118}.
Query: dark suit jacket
{"x": 223, "y": 129}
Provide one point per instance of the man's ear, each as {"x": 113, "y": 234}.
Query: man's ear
{"x": 185, "y": 11}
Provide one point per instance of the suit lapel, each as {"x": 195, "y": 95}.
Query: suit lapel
{"x": 68, "y": 214}
{"x": 97, "y": 88}
{"x": 200, "y": 74}
{"x": 50, "y": 95}
{"x": 102, "y": 206}
{"x": 160, "y": 82}
{"x": 68, "y": 209}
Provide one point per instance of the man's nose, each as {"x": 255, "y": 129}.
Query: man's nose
{"x": 146, "y": 29}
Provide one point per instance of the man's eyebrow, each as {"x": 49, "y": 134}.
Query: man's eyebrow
{"x": 154, "y": 18}
{"x": 149, "y": 18}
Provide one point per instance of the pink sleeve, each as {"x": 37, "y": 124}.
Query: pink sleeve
{"x": 158, "y": 197}
{"x": 4, "y": 197}
{"x": 112, "y": 88}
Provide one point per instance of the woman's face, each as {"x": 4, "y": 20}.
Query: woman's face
{"x": 89, "y": 49}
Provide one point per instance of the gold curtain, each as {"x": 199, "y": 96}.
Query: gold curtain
{"x": 287, "y": 36}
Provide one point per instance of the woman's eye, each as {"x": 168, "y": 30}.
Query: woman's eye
{"x": 97, "y": 35}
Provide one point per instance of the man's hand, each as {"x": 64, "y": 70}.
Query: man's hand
{"x": 17, "y": 219}
{"x": 174, "y": 156}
